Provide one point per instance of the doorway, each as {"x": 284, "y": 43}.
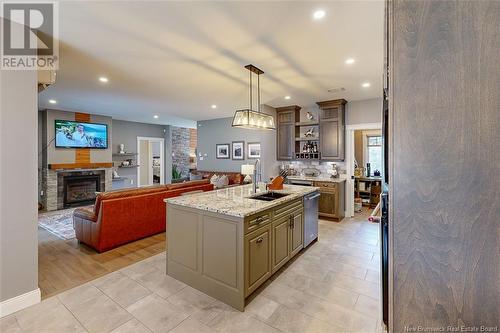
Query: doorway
{"x": 362, "y": 146}
{"x": 150, "y": 160}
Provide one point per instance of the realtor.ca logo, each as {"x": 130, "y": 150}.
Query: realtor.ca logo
{"x": 29, "y": 36}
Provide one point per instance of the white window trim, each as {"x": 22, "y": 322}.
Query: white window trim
{"x": 366, "y": 134}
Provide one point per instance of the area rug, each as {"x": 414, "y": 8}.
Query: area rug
{"x": 59, "y": 222}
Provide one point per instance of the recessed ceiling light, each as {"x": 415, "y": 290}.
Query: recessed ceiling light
{"x": 349, "y": 61}
{"x": 52, "y": 101}
{"x": 365, "y": 84}
{"x": 156, "y": 116}
{"x": 287, "y": 97}
{"x": 103, "y": 79}
{"x": 319, "y": 14}
{"x": 214, "y": 106}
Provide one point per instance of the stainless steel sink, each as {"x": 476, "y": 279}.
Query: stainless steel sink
{"x": 269, "y": 196}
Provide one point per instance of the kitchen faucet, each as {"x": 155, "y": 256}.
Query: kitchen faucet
{"x": 255, "y": 173}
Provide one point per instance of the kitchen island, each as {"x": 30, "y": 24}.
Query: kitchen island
{"x": 227, "y": 242}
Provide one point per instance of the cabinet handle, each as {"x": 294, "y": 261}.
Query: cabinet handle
{"x": 259, "y": 240}
{"x": 259, "y": 220}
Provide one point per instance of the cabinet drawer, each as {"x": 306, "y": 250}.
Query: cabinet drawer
{"x": 256, "y": 221}
{"x": 288, "y": 208}
{"x": 326, "y": 185}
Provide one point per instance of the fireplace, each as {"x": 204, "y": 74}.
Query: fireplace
{"x": 80, "y": 190}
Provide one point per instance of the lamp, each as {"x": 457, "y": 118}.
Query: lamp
{"x": 248, "y": 118}
{"x": 247, "y": 170}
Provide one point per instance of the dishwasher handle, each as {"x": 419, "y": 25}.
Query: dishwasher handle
{"x": 314, "y": 196}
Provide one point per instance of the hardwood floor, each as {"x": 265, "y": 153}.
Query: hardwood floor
{"x": 64, "y": 264}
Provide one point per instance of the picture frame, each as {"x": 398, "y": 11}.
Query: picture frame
{"x": 238, "y": 150}
{"x": 254, "y": 150}
{"x": 222, "y": 151}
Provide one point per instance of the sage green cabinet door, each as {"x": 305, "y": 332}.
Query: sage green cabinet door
{"x": 296, "y": 234}
{"x": 257, "y": 258}
{"x": 280, "y": 243}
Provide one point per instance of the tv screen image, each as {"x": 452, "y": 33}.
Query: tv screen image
{"x": 74, "y": 134}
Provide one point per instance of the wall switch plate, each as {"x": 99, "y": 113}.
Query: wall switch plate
{"x": 131, "y": 182}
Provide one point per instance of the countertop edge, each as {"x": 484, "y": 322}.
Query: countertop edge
{"x": 270, "y": 204}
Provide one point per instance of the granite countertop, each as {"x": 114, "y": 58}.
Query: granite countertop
{"x": 235, "y": 201}
{"x": 320, "y": 178}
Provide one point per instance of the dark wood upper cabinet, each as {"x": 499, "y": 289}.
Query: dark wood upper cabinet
{"x": 285, "y": 143}
{"x": 332, "y": 129}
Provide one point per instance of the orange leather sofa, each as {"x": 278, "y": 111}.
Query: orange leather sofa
{"x": 123, "y": 216}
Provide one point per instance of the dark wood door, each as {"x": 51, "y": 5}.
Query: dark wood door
{"x": 329, "y": 140}
{"x": 285, "y": 136}
{"x": 332, "y": 129}
{"x": 326, "y": 204}
{"x": 444, "y": 132}
{"x": 286, "y": 141}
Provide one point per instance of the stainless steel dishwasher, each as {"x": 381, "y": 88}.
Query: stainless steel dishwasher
{"x": 311, "y": 217}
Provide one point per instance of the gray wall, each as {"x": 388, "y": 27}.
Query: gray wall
{"x": 212, "y": 132}
{"x": 363, "y": 112}
{"x": 126, "y": 132}
{"x": 18, "y": 183}
{"x": 67, "y": 155}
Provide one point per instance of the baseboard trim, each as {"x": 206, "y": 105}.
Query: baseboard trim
{"x": 20, "y": 302}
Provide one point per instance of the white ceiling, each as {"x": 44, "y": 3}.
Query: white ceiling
{"x": 176, "y": 59}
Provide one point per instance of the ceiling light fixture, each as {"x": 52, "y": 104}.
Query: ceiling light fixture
{"x": 319, "y": 14}
{"x": 214, "y": 106}
{"x": 287, "y": 97}
{"x": 349, "y": 61}
{"x": 365, "y": 84}
{"x": 103, "y": 79}
{"x": 248, "y": 118}
{"x": 52, "y": 101}
{"x": 156, "y": 116}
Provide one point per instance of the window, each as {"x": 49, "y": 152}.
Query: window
{"x": 374, "y": 152}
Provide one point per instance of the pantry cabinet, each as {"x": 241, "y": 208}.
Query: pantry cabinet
{"x": 332, "y": 129}
{"x": 285, "y": 140}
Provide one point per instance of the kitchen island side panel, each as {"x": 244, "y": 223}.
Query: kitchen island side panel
{"x": 197, "y": 256}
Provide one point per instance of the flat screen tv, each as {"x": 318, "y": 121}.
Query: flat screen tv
{"x": 77, "y": 134}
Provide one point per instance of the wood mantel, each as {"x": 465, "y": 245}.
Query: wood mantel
{"x": 80, "y": 165}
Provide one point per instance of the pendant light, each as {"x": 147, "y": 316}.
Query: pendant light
{"x": 248, "y": 118}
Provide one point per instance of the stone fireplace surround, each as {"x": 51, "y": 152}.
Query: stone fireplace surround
{"x": 53, "y": 184}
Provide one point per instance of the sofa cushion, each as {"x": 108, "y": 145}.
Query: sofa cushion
{"x": 187, "y": 184}
{"x": 85, "y": 213}
{"x": 235, "y": 178}
{"x": 223, "y": 181}
{"x": 125, "y": 193}
{"x": 214, "y": 180}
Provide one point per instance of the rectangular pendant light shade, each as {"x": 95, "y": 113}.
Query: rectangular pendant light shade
{"x": 253, "y": 120}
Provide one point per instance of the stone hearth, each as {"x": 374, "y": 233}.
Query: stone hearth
{"x": 53, "y": 184}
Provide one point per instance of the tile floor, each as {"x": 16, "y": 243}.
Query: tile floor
{"x": 333, "y": 286}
